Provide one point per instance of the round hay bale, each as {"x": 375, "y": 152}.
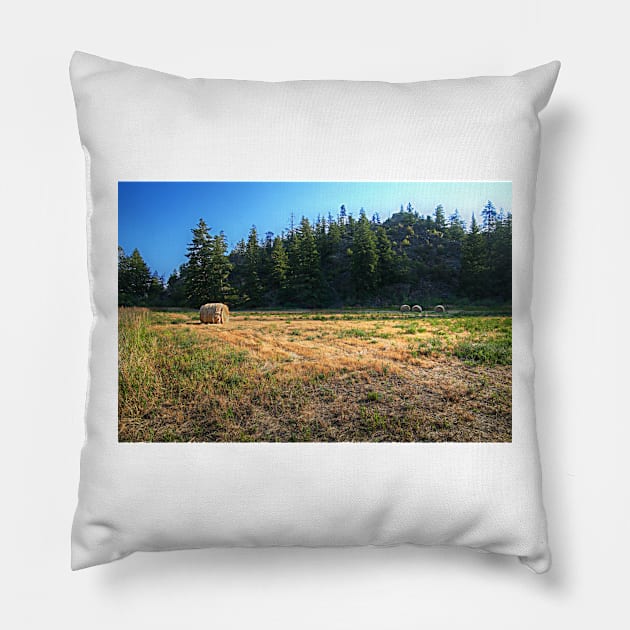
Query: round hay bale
{"x": 416, "y": 308}
{"x": 440, "y": 309}
{"x": 214, "y": 313}
{"x": 405, "y": 308}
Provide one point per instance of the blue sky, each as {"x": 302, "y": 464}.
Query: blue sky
{"x": 156, "y": 217}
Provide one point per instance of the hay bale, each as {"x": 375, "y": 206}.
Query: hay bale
{"x": 416, "y": 308}
{"x": 214, "y": 313}
{"x": 405, "y": 308}
{"x": 440, "y": 309}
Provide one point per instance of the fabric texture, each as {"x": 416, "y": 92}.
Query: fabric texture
{"x": 138, "y": 124}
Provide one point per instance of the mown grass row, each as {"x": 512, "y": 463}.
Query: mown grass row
{"x": 369, "y": 315}
{"x": 473, "y": 339}
{"x": 476, "y": 341}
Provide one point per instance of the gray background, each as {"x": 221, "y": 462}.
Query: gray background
{"x": 581, "y": 338}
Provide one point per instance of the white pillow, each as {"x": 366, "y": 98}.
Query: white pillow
{"x": 139, "y": 125}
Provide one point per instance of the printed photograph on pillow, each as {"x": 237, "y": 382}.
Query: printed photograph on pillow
{"x": 314, "y": 311}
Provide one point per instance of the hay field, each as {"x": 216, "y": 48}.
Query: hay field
{"x": 290, "y": 376}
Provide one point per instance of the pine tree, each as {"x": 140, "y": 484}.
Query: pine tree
{"x": 253, "y": 258}
{"x": 489, "y": 217}
{"x": 440, "y": 219}
{"x": 280, "y": 266}
{"x": 501, "y": 257}
{"x": 134, "y": 279}
{"x": 386, "y": 270}
{"x": 322, "y": 241}
{"x": 197, "y": 279}
{"x": 208, "y": 268}
{"x": 156, "y": 290}
{"x": 220, "y": 289}
{"x": 474, "y": 262}
{"x": 456, "y": 229}
{"x": 237, "y": 276}
{"x": 306, "y": 282}
{"x": 364, "y": 258}
{"x": 175, "y": 288}
{"x": 335, "y": 235}
{"x": 342, "y": 214}
{"x": 266, "y": 267}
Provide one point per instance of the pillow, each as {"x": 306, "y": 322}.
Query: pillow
{"x": 365, "y": 373}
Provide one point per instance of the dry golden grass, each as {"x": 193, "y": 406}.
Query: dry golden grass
{"x": 300, "y": 376}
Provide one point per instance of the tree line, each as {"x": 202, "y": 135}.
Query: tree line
{"x": 336, "y": 261}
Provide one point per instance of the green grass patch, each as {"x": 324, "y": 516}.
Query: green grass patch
{"x": 493, "y": 351}
{"x": 428, "y": 347}
{"x": 412, "y": 328}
